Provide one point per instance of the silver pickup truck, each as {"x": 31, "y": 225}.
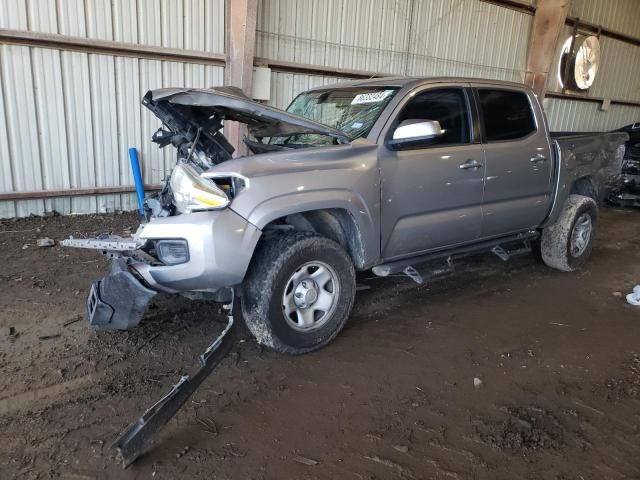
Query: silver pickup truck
{"x": 390, "y": 175}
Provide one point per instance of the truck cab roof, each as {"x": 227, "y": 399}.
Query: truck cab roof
{"x": 410, "y": 82}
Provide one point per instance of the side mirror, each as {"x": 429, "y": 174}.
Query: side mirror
{"x": 414, "y": 133}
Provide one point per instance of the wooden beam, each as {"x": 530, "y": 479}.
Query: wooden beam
{"x": 548, "y": 22}
{"x": 241, "y": 18}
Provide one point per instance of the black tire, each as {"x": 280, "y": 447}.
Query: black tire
{"x": 556, "y": 242}
{"x": 275, "y": 262}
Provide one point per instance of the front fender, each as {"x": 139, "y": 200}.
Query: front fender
{"x": 305, "y": 201}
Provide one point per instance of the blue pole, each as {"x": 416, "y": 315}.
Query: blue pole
{"x": 137, "y": 178}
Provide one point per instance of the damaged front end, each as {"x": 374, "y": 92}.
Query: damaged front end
{"x": 174, "y": 250}
{"x": 190, "y": 241}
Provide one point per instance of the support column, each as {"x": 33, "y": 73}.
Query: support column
{"x": 547, "y": 24}
{"x": 240, "y": 21}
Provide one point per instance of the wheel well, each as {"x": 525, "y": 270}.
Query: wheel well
{"x": 584, "y": 186}
{"x": 334, "y": 223}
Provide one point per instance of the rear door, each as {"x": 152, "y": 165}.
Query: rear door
{"x": 518, "y": 174}
{"x": 432, "y": 193}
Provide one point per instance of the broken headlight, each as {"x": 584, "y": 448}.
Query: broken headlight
{"x": 192, "y": 193}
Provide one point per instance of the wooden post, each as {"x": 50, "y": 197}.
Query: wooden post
{"x": 241, "y": 17}
{"x": 547, "y": 24}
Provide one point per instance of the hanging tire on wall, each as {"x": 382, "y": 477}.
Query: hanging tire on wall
{"x": 298, "y": 292}
{"x": 566, "y": 245}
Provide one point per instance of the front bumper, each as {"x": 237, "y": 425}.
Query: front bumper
{"x": 221, "y": 244}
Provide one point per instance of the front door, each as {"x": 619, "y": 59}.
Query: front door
{"x": 432, "y": 192}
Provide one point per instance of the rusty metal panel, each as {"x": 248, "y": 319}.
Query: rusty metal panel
{"x": 618, "y": 15}
{"x": 580, "y": 116}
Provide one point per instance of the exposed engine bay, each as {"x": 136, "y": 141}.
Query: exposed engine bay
{"x": 192, "y": 123}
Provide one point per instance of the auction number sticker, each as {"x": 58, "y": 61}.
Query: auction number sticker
{"x": 371, "y": 97}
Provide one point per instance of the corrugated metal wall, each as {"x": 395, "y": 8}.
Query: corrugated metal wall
{"x": 618, "y": 15}
{"x": 69, "y": 117}
{"x": 284, "y": 86}
{"x": 406, "y": 37}
{"x": 570, "y": 115}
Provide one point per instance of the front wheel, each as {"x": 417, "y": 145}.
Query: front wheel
{"x": 566, "y": 245}
{"x": 298, "y": 292}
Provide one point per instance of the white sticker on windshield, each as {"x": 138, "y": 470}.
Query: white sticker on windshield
{"x": 371, "y": 97}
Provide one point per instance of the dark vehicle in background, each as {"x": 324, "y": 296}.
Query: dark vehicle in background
{"x": 629, "y": 193}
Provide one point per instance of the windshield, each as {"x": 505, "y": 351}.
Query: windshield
{"x": 351, "y": 110}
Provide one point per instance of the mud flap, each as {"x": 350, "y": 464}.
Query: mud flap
{"x": 118, "y": 300}
{"x": 140, "y": 435}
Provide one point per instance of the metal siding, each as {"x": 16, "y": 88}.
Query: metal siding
{"x": 618, "y": 15}
{"x": 469, "y": 38}
{"x": 22, "y": 124}
{"x": 448, "y": 37}
{"x": 70, "y": 117}
{"x": 285, "y": 86}
{"x": 192, "y": 24}
{"x": 354, "y": 34}
{"x": 571, "y": 115}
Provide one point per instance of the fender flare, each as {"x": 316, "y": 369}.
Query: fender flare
{"x": 342, "y": 199}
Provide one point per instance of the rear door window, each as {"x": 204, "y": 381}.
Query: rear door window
{"x": 506, "y": 114}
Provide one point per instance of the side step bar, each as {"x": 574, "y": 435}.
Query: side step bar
{"x": 496, "y": 246}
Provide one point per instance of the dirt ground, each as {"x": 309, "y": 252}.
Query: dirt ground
{"x": 558, "y": 357}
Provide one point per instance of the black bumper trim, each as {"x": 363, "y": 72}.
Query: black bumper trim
{"x": 118, "y": 300}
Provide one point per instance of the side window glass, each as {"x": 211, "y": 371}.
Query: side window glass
{"x": 448, "y": 106}
{"x": 506, "y": 114}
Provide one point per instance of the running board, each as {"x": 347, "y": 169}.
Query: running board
{"x": 496, "y": 246}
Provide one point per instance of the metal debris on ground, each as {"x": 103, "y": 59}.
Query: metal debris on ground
{"x": 477, "y": 382}
{"x": 46, "y": 242}
{"x": 305, "y": 461}
{"x": 634, "y": 297}
{"x": 48, "y": 337}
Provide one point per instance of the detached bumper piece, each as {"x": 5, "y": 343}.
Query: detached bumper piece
{"x": 140, "y": 435}
{"x": 118, "y": 300}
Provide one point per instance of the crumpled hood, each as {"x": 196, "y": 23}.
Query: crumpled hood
{"x": 230, "y": 103}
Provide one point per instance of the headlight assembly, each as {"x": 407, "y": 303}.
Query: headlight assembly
{"x": 192, "y": 193}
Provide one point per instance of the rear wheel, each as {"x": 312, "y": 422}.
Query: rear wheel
{"x": 298, "y": 292}
{"x": 566, "y": 245}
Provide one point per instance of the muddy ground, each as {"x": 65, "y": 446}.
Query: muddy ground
{"x": 558, "y": 356}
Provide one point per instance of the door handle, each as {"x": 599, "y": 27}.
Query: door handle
{"x": 538, "y": 157}
{"x": 470, "y": 164}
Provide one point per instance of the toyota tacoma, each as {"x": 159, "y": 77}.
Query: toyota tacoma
{"x": 393, "y": 175}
